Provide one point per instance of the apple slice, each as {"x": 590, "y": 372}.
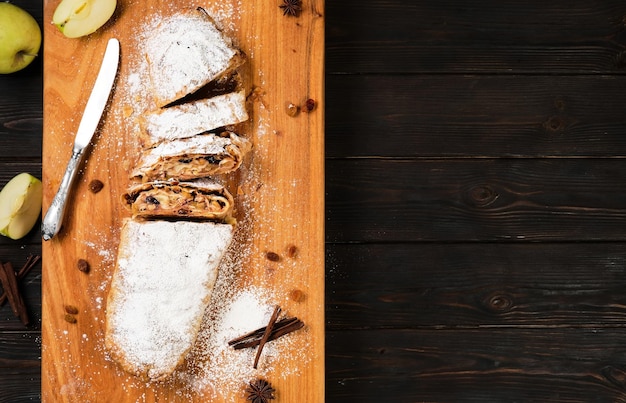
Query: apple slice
{"x": 77, "y": 18}
{"x": 20, "y": 205}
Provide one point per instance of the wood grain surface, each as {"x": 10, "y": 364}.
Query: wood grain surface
{"x": 433, "y": 293}
{"x": 279, "y": 191}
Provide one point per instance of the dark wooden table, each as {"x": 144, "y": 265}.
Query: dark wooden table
{"x": 476, "y": 203}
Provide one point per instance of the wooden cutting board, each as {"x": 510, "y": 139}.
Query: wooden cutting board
{"x": 279, "y": 194}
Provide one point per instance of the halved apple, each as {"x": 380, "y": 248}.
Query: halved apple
{"x": 20, "y": 205}
{"x": 77, "y": 18}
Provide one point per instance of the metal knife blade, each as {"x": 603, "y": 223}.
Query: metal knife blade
{"x": 99, "y": 95}
{"x": 96, "y": 103}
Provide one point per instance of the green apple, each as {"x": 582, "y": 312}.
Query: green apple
{"x": 20, "y": 38}
{"x": 77, "y": 18}
{"x": 20, "y": 205}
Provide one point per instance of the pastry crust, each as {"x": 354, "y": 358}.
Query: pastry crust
{"x": 196, "y": 157}
{"x": 162, "y": 284}
{"x": 186, "y": 52}
{"x": 177, "y": 200}
{"x": 192, "y": 118}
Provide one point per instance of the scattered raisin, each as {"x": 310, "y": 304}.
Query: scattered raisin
{"x": 83, "y": 265}
{"x": 212, "y": 159}
{"x": 308, "y": 106}
{"x": 292, "y": 251}
{"x": 296, "y": 295}
{"x": 71, "y": 309}
{"x": 70, "y": 318}
{"x": 95, "y": 186}
{"x": 152, "y": 200}
{"x": 292, "y": 110}
{"x": 272, "y": 256}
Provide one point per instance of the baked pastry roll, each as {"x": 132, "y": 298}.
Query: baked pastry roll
{"x": 195, "y": 157}
{"x": 193, "y": 200}
{"x": 186, "y": 52}
{"x": 192, "y": 118}
{"x": 163, "y": 281}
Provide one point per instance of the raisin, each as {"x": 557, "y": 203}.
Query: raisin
{"x": 309, "y": 105}
{"x": 292, "y": 110}
{"x": 297, "y": 295}
{"x": 95, "y": 186}
{"x": 70, "y": 318}
{"x": 83, "y": 265}
{"x": 152, "y": 200}
{"x": 184, "y": 160}
{"x": 212, "y": 159}
{"x": 292, "y": 251}
{"x": 71, "y": 309}
{"x": 272, "y": 256}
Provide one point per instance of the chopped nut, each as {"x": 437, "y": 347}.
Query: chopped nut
{"x": 272, "y": 256}
{"x": 71, "y": 309}
{"x": 70, "y": 318}
{"x": 83, "y": 265}
{"x": 95, "y": 186}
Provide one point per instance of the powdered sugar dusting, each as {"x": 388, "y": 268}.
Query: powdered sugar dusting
{"x": 186, "y": 51}
{"x": 187, "y": 120}
{"x": 239, "y": 303}
{"x": 160, "y": 291}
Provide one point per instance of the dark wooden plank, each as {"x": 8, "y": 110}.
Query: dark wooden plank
{"x": 20, "y": 372}
{"x": 20, "y": 151}
{"x": 20, "y": 116}
{"x": 475, "y": 116}
{"x": 562, "y": 36}
{"x": 20, "y": 386}
{"x": 30, "y": 287}
{"x": 374, "y": 200}
{"x": 476, "y": 365}
{"x": 21, "y": 103}
{"x": 438, "y": 285}
{"x": 20, "y": 350}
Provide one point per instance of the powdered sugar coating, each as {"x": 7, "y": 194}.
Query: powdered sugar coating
{"x": 186, "y": 52}
{"x": 163, "y": 282}
{"x": 189, "y": 119}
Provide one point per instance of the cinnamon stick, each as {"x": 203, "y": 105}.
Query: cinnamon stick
{"x": 8, "y": 278}
{"x": 280, "y": 328}
{"x": 266, "y": 335}
{"x": 31, "y": 261}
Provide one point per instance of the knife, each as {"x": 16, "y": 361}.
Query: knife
{"x": 98, "y": 99}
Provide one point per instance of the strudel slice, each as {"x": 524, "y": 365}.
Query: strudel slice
{"x": 162, "y": 284}
{"x": 186, "y": 52}
{"x": 196, "y": 157}
{"x": 169, "y": 199}
{"x": 189, "y": 119}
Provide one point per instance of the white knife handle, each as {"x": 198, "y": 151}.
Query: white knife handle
{"x": 54, "y": 216}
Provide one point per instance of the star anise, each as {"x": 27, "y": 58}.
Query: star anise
{"x": 291, "y": 7}
{"x": 260, "y": 391}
